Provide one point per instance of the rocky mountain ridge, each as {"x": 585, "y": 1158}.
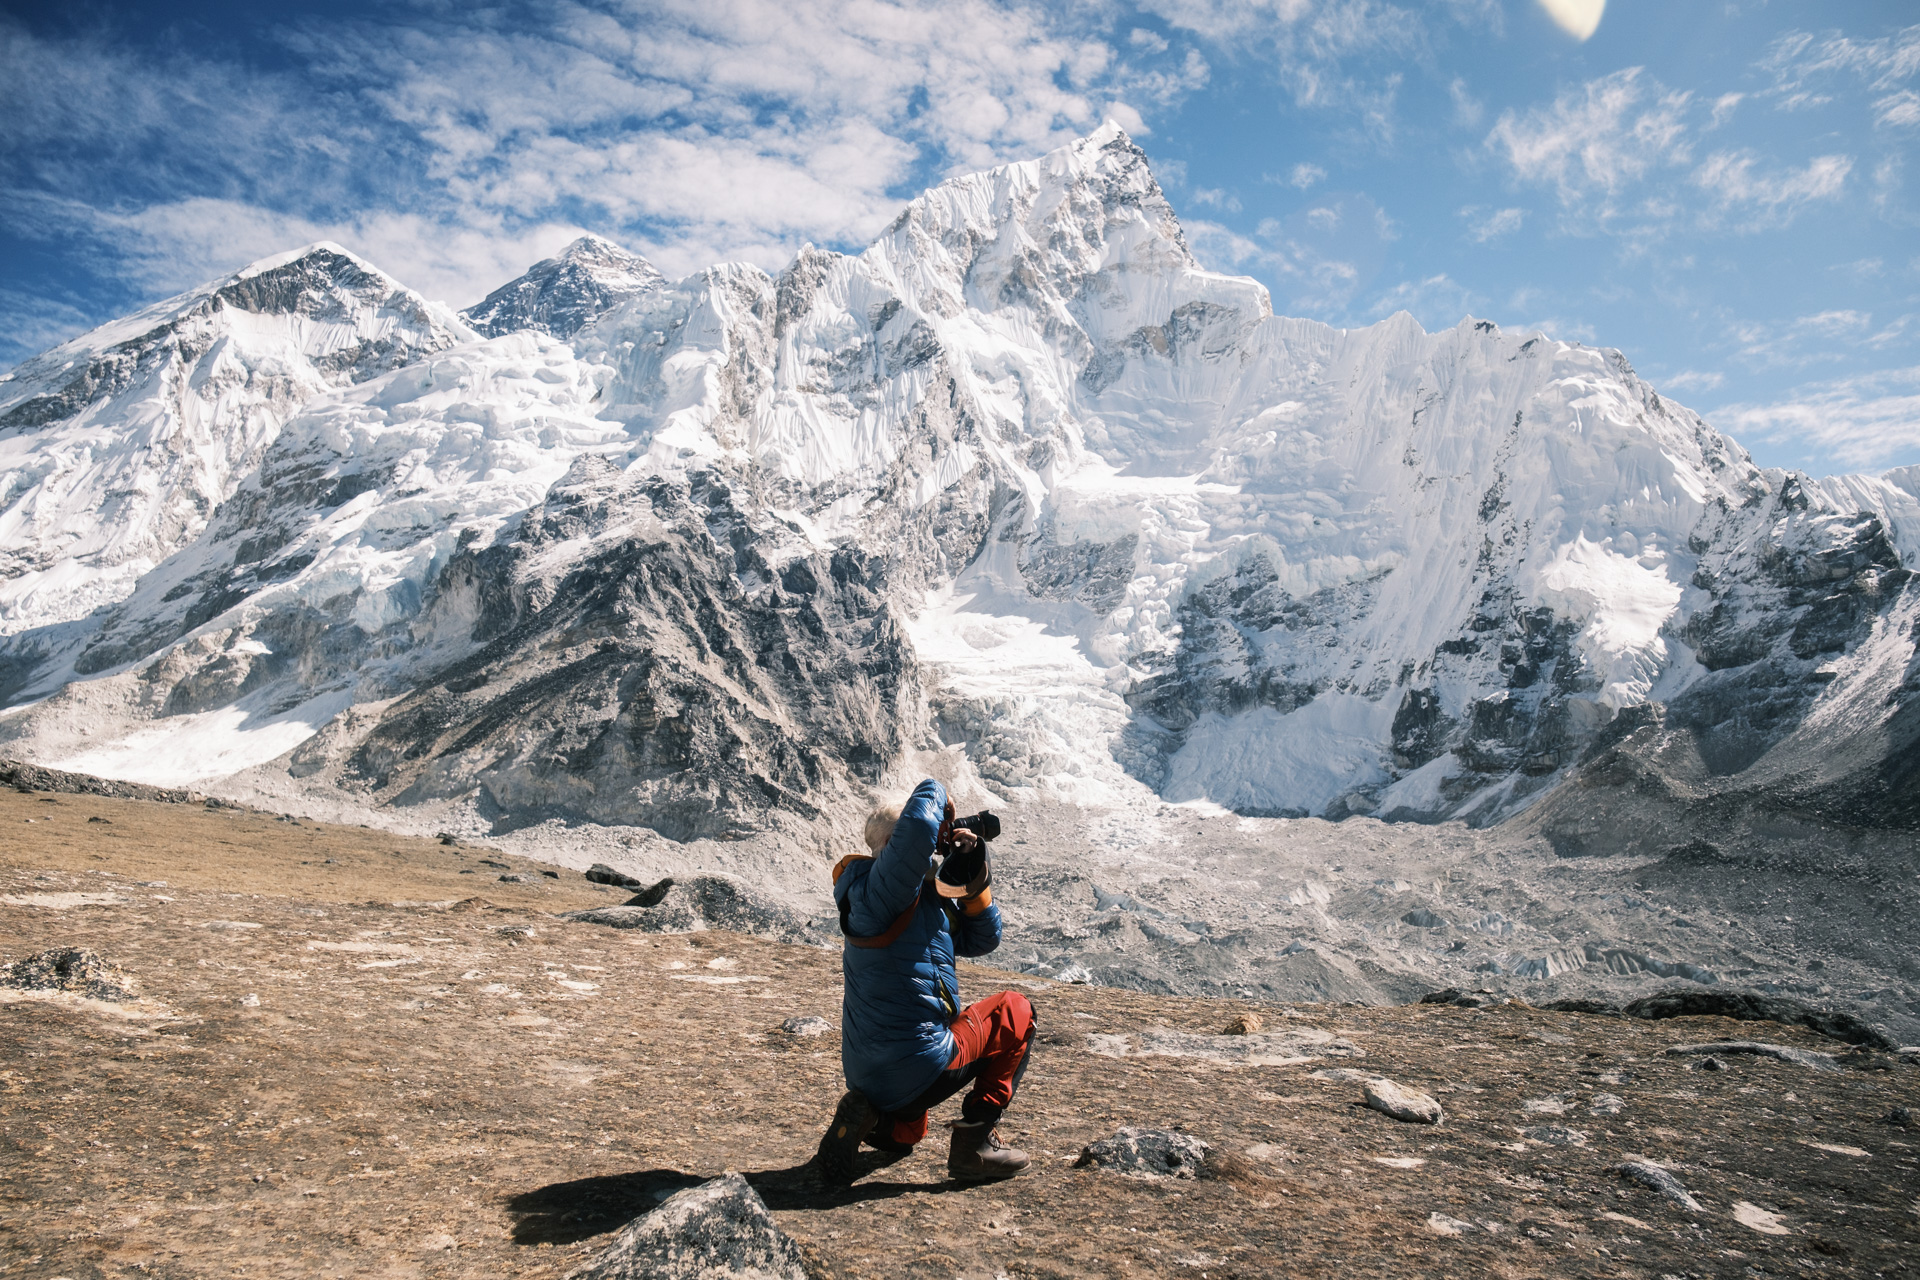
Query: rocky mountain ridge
{"x": 1020, "y": 479}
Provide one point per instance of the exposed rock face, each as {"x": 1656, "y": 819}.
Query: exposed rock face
{"x": 563, "y": 295}
{"x": 717, "y": 1230}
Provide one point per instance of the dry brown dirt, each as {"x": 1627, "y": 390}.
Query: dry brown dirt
{"x": 361, "y": 1062}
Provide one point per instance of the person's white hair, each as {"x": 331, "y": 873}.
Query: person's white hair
{"x": 880, "y": 826}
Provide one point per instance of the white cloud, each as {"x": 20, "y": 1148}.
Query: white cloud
{"x": 1596, "y": 140}
{"x": 1723, "y": 108}
{"x": 1345, "y": 56}
{"x": 1693, "y": 380}
{"x": 1797, "y": 58}
{"x": 1468, "y": 110}
{"x": 1437, "y": 302}
{"x": 1490, "y": 224}
{"x": 1756, "y": 199}
{"x": 1214, "y": 198}
{"x": 1868, "y": 421}
{"x": 1899, "y": 110}
{"x": 691, "y": 130}
{"x": 1305, "y": 175}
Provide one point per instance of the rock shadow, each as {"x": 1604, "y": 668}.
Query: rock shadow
{"x": 566, "y": 1212}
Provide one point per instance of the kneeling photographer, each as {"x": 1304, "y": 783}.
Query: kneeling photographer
{"x": 921, "y": 897}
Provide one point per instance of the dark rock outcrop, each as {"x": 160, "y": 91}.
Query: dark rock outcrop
{"x": 717, "y": 1229}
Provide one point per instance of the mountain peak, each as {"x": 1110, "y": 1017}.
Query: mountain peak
{"x": 563, "y": 294}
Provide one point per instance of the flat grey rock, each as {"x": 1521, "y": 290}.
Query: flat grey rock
{"x": 1758, "y": 1049}
{"x": 1557, "y": 1135}
{"x": 1147, "y": 1153}
{"x": 715, "y": 1230}
{"x": 1654, "y": 1178}
{"x": 807, "y": 1027}
{"x": 1402, "y": 1103}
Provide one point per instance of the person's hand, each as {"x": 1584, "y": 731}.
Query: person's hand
{"x": 964, "y": 841}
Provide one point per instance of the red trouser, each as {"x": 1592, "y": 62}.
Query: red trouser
{"x": 990, "y": 1042}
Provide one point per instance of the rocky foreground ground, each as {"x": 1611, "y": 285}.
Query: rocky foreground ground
{"x": 351, "y": 1053}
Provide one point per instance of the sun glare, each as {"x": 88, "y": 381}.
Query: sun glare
{"x": 1578, "y": 18}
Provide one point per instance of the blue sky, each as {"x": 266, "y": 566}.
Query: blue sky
{"x": 1728, "y": 192}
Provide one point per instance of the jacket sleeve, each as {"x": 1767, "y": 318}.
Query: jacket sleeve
{"x": 876, "y": 900}
{"x": 975, "y": 935}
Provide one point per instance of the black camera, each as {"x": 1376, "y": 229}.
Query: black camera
{"x": 985, "y": 824}
{"x": 962, "y": 867}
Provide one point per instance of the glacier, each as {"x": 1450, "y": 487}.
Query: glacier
{"x": 1021, "y": 482}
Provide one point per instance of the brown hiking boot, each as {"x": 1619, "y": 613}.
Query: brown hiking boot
{"x": 977, "y": 1154}
{"x": 853, "y": 1119}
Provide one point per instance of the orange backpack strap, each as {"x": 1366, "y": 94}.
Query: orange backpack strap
{"x": 894, "y": 930}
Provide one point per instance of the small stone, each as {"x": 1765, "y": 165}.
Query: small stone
{"x": 718, "y": 1229}
{"x": 97, "y": 818}
{"x": 1753, "y": 1216}
{"x": 551, "y": 875}
{"x": 601, "y": 873}
{"x": 808, "y": 1026}
{"x": 1606, "y": 1104}
{"x": 1902, "y": 1118}
{"x": 1709, "y": 1064}
{"x": 1421, "y": 918}
{"x": 1654, "y": 1178}
{"x": 1147, "y": 1153}
{"x": 513, "y": 878}
{"x": 1401, "y": 1103}
{"x": 447, "y": 837}
{"x": 1244, "y": 1024}
{"x": 1555, "y": 1135}
{"x": 1755, "y": 1048}
{"x": 1442, "y": 1225}
{"x": 250, "y": 1001}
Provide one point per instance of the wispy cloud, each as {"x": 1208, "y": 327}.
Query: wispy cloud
{"x": 1619, "y": 153}
{"x": 1750, "y": 198}
{"x": 1800, "y": 62}
{"x": 1344, "y": 56}
{"x": 1868, "y": 421}
{"x": 1485, "y": 224}
{"x": 1692, "y": 380}
{"x": 1593, "y": 142}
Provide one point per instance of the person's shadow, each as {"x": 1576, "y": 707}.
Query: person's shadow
{"x": 563, "y": 1212}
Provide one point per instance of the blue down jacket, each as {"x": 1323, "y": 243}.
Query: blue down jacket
{"x": 900, "y": 998}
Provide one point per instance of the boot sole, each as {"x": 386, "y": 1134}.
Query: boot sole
{"x": 984, "y": 1176}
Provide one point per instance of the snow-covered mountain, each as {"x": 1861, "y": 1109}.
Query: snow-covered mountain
{"x": 1021, "y": 477}
{"x": 563, "y": 295}
{"x": 116, "y": 448}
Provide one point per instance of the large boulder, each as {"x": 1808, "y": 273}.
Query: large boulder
{"x": 719, "y": 1229}
{"x": 1147, "y": 1153}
